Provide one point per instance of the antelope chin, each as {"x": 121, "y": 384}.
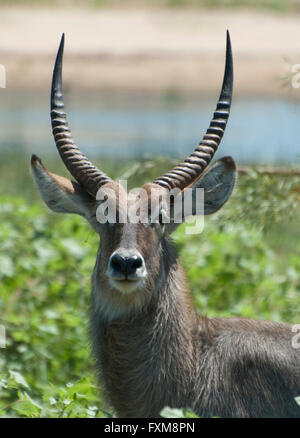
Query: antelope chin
{"x": 125, "y": 286}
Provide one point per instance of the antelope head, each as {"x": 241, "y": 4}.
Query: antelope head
{"x": 132, "y": 254}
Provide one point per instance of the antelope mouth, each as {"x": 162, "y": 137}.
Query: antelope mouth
{"x": 125, "y": 285}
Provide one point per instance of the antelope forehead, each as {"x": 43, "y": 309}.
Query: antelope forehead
{"x": 128, "y": 238}
{"x": 143, "y": 203}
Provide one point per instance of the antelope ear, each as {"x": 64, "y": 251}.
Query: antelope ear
{"x": 60, "y": 194}
{"x": 218, "y": 182}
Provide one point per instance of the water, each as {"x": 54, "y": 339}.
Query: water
{"x": 125, "y": 126}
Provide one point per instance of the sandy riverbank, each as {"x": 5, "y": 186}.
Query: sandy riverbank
{"x": 150, "y": 51}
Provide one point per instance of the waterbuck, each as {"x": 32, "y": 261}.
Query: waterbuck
{"x": 150, "y": 346}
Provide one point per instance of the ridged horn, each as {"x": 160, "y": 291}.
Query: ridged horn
{"x": 75, "y": 161}
{"x": 191, "y": 168}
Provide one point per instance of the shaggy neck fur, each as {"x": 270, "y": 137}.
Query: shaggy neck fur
{"x": 162, "y": 353}
{"x": 139, "y": 352}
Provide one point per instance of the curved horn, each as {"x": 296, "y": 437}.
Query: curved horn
{"x": 192, "y": 167}
{"x": 76, "y": 162}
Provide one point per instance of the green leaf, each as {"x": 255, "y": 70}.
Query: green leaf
{"x": 172, "y": 413}
{"x": 17, "y": 377}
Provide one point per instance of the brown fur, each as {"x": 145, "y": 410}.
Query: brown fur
{"x": 150, "y": 346}
{"x": 164, "y": 354}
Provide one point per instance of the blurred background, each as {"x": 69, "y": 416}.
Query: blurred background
{"x": 141, "y": 81}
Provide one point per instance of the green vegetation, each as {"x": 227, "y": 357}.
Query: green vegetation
{"x": 246, "y": 262}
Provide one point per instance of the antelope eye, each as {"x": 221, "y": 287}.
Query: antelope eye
{"x": 163, "y": 217}
{"x": 158, "y": 220}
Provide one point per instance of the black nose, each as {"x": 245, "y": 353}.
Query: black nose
{"x": 125, "y": 265}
